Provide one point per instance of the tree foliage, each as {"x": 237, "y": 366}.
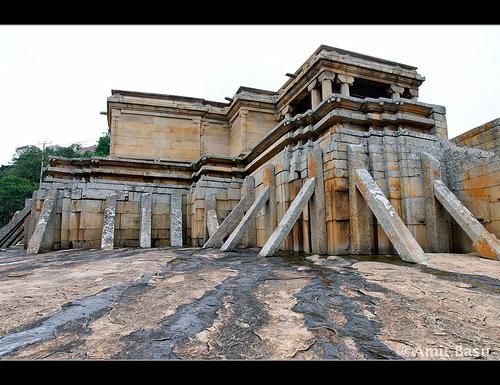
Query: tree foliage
{"x": 13, "y": 192}
{"x": 21, "y": 177}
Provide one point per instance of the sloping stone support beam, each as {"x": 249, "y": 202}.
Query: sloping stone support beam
{"x": 486, "y": 244}
{"x": 234, "y": 217}
{"x": 228, "y": 225}
{"x": 407, "y": 247}
{"x": 277, "y": 237}
{"x": 45, "y": 217}
{"x": 249, "y": 217}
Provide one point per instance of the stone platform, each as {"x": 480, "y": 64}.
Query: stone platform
{"x": 192, "y": 303}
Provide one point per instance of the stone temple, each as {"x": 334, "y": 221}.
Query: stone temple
{"x": 343, "y": 159}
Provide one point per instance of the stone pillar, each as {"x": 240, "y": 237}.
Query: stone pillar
{"x": 315, "y": 94}
{"x": 176, "y": 220}
{"x": 396, "y": 91}
{"x": 438, "y": 224}
{"x": 359, "y": 213}
{"x": 45, "y": 217}
{"x": 108, "y": 223}
{"x": 145, "y": 234}
{"x": 270, "y": 214}
{"x": 345, "y": 81}
{"x": 413, "y": 94}
{"x": 248, "y": 190}
{"x": 287, "y": 112}
{"x": 326, "y": 78}
{"x": 211, "y": 212}
{"x": 273, "y": 243}
{"x": 317, "y": 213}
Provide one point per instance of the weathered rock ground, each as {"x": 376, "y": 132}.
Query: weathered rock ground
{"x": 190, "y": 303}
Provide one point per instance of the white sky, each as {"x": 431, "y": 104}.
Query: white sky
{"x": 54, "y": 80}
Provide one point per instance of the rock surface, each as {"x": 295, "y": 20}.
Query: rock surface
{"x": 191, "y": 303}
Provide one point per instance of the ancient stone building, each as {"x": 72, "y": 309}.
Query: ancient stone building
{"x": 343, "y": 158}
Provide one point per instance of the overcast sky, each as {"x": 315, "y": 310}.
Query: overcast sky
{"x": 55, "y": 79}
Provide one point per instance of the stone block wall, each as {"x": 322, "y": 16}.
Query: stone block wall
{"x": 484, "y": 137}
{"x": 79, "y": 212}
{"x": 392, "y": 156}
{"x": 473, "y": 175}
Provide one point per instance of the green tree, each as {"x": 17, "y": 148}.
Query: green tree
{"x": 20, "y": 178}
{"x": 26, "y": 163}
{"x": 13, "y": 192}
{"x": 103, "y": 145}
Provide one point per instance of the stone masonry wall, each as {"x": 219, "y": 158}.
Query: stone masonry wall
{"x": 484, "y": 137}
{"x": 393, "y": 158}
{"x": 474, "y": 177}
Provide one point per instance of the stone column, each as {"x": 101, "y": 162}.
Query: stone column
{"x": 396, "y": 91}
{"x": 108, "y": 224}
{"x": 359, "y": 213}
{"x": 315, "y": 94}
{"x": 248, "y": 190}
{"x": 45, "y": 217}
{"x": 145, "y": 234}
{"x": 176, "y": 220}
{"x": 270, "y": 214}
{"x": 437, "y": 220}
{"x": 287, "y": 112}
{"x": 317, "y": 214}
{"x": 345, "y": 81}
{"x": 326, "y": 78}
{"x": 413, "y": 93}
{"x": 211, "y": 212}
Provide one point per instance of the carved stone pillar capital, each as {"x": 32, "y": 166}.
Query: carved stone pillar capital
{"x": 287, "y": 111}
{"x": 345, "y": 79}
{"x": 396, "y": 91}
{"x": 312, "y": 85}
{"x": 414, "y": 93}
{"x": 326, "y": 75}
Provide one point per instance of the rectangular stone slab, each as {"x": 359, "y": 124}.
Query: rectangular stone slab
{"x": 292, "y": 214}
{"x": 36, "y": 239}
{"x": 249, "y": 217}
{"x": 145, "y": 234}
{"x": 108, "y": 223}
{"x": 407, "y": 247}
{"x": 176, "y": 220}
{"x": 486, "y": 244}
